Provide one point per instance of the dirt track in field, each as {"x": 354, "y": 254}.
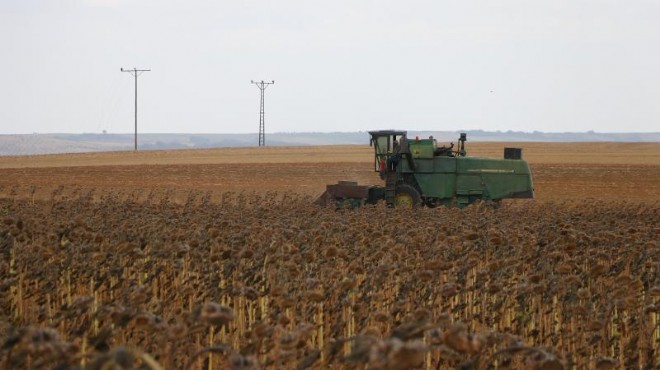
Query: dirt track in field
{"x": 561, "y": 171}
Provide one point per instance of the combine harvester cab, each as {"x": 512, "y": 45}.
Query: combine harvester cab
{"x": 419, "y": 172}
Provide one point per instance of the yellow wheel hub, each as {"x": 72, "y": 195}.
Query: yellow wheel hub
{"x": 403, "y": 200}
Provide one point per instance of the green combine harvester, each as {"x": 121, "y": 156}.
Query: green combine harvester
{"x": 419, "y": 172}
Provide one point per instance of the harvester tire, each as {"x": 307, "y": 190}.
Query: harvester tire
{"x": 407, "y": 196}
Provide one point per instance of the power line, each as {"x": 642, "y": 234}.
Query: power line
{"x": 135, "y": 73}
{"x": 262, "y": 134}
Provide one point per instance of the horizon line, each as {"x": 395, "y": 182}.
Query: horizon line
{"x": 536, "y": 132}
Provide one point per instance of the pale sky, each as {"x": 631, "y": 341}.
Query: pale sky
{"x": 340, "y": 65}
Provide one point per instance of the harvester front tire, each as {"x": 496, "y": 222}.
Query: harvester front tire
{"x": 406, "y": 196}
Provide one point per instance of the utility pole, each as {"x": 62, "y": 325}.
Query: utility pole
{"x": 262, "y": 134}
{"x": 135, "y": 73}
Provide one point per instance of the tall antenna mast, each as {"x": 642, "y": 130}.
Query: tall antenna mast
{"x": 262, "y": 134}
{"x": 135, "y": 73}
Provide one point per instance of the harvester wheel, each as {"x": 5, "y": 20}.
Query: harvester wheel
{"x": 406, "y": 196}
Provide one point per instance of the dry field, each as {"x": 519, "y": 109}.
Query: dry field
{"x": 214, "y": 259}
{"x": 562, "y": 171}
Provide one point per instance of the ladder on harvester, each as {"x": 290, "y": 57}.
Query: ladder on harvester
{"x": 390, "y": 187}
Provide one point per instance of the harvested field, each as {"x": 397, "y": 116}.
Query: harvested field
{"x": 562, "y": 171}
{"x": 185, "y": 259}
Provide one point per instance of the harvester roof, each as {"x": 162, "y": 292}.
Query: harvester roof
{"x": 388, "y": 132}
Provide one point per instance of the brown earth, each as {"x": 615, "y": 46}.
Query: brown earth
{"x": 562, "y": 171}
